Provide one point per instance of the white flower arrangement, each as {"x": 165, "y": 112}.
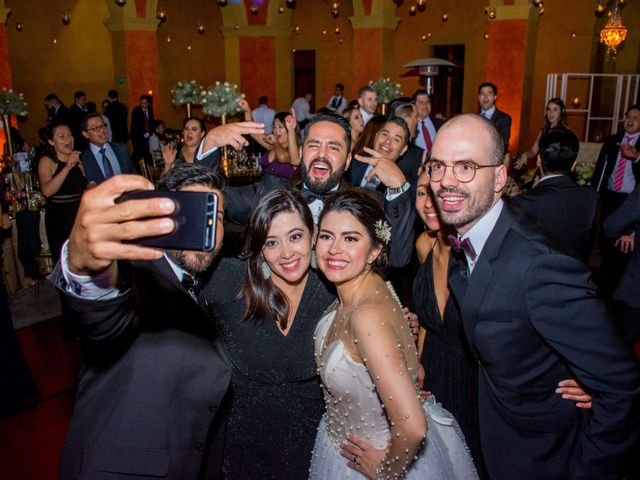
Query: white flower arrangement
{"x": 186, "y": 92}
{"x": 221, "y": 99}
{"x": 386, "y": 89}
{"x": 584, "y": 172}
{"x": 12, "y": 103}
{"x": 383, "y": 231}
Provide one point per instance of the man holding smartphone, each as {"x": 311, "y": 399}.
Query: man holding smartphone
{"x": 155, "y": 374}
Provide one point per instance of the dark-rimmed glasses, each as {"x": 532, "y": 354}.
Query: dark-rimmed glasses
{"x": 96, "y": 128}
{"x": 463, "y": 170}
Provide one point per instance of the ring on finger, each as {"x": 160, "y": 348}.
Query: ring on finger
{"x": 355, "y": 459}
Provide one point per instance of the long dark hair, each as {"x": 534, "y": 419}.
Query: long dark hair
{"x": 563, "y": 116}
{"x": 367, "y": 211}
{"x": 261, "y": 295}
{"x": 371, "y": 129}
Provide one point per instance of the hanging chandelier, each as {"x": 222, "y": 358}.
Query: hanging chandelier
{"x": 613, "y": 33}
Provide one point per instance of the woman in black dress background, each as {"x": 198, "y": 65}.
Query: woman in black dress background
{"x": 62, "y": 182}
{"x": 266, "y": 308}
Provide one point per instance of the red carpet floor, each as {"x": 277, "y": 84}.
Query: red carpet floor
{"x": 31, "y": 438}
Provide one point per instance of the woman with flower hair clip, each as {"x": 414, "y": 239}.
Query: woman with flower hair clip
{"x": 375, "y": 421}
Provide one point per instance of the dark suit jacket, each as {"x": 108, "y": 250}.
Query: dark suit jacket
{"x": 77, "y": 114}
{"x": 616, "y": 224}
{"x": 118, "y": 114}
{"x": 532, "y": 316}
{"x": 154, "y": 377}
{"x": 137, "y": 124}
{"x": 63, "y": 115}
{"x": 502, "y": 122}
{"x": 565, "y": 209}
{"x": 91, "y": 164}
{"x": 607, "y": 160}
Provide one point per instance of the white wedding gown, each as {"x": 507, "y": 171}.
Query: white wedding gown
{"x": 353, "y": 406}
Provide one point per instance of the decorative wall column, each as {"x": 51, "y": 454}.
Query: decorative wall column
{"x": 135, "y": 49}
{"x": 374, "y": 23}
{"x": 510, "y": 60}
{"x": 258, "y": 47}
{"x": 5, "y": 67}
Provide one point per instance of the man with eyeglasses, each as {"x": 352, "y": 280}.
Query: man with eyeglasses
{"x": 101, "y": 159}
{"x": 532, "y": 316}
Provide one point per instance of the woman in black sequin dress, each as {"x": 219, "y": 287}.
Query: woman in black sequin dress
{"x": 267, "y": 328}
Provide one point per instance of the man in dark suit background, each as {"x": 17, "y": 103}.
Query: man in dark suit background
{"x": 411, "y": 160}
{"x": 118, "y": 114}
{"x": 141, "y": 121}
{"x": 78, "y": 110}
{"x": 56, "y": 111}
{"x": 102, "y": 160}
{"x": 427, "y": 127}
{"x": 615, "y": 176}
{"x": 487, "y": 96}
{"x": 564, "y": 208}
{"x": 155, "y": 374}
{"x": 532, "y": 316}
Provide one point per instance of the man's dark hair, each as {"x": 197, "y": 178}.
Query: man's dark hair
{"x": 52, "y": 96}
{"x": 333, "y": 118}
{"x": 79, "y": 94}
{"x": 340, "y": 86}
{"x": 635, "y": 106}
{"x": 186, "y": 174}
{"x": 558, "y": 150}
{"x": 490, "y": 85}
{"x": 365, "y": 89}
{"x": 112, "y": 94}
{"x": 402, "y": 124}
{"x": 396, "y": 103}
{"x": 91, "y": 107}
{"x": 85, "y": 119}
{"x": 263, "y": 100}
{"x": 417, "y": 93}
{"x": 145, "y": 97}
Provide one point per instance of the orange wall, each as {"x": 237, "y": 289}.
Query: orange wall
{"x": 258, "y": 68}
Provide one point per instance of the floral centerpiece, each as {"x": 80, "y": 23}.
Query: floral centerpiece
{"x": 186, "y": 93}
{"x": 386, "y": 89}
{"x": 11, "y": 103}
{"x": 221, "y": 100}
{"x": 584, "y": 172}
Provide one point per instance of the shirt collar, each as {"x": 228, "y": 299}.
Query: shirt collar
{"x": 179, "y": 272}
{"x": 96, "y": 149}
{"x": 489, "y": 113}
{"x": 548, "y": 177}
{"x": 479, "y": 233}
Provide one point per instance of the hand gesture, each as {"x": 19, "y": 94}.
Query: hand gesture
{"x": 232, "y": 135}
{"x": 290, "y": 122}
{"x": 169, "y": 153}
{"x": 102, "y": 226}
{"x": 412, "y": 321}
{"x": 386, "y": 170}
{"x": 270, "y": 139}
{"x": 629, "y": 151}
{"x": 72, "y": 160}
{"x": 521, "y": 161}
{"x": 570, "y": 390}
{"x": 244, "y": 105}
{"x": 626, "y": 243}
{"x": 362, "y": 456}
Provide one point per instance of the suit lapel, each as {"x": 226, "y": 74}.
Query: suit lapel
{"x": 479, "y": 280}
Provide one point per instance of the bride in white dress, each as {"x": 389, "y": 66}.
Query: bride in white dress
{"x": 376, "y": 424}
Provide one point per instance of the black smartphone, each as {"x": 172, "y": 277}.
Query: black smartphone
{"x": 195, "y": 219}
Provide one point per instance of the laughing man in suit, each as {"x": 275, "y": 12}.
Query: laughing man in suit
{"x": 532, "y": 316}
{"x": 101, "y": 159}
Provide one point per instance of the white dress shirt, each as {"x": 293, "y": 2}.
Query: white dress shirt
{"x": 479, "y": 233}
{"x": 419, "y": 140}
{"x": 341, "y": 104}
{"x": 264, "y": 114}
{"x": 366, "y": 116}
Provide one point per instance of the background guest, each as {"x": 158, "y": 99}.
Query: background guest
{"x": 91, "y": 108}
{"x": 264, "y": 114}
{"x": 141, "y": 120}
{"x": 357, "y": 124}
{"x": 118, "y": 114}
{"x": 193, "y": 131}
{"x": 337, "y": 103}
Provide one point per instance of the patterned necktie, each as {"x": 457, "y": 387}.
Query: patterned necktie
{"x": 425, "y": 134}
{"x": 462, "y": 246}
{"x": 106, "y": 164}
{"x": 618, "y": 178}
{"x": 191, "y": 285}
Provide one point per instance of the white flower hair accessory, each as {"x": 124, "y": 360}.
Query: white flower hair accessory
{"x": 383, "y": 231}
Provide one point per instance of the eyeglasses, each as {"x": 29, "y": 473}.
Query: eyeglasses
{"x": 463, "y": 170}
{"x": 97, "y": 127}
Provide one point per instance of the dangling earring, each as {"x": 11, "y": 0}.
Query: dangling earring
{"x": 314, "y": 260}
{"x": 266, "y": 271}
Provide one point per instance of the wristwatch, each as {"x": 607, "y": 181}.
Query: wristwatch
{"x": 398, "y": 190}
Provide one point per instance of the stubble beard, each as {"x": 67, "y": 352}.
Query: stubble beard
{"x": 193, "y": 262}
{"x": 471, "y": 211}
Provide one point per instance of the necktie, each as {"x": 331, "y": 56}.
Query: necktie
{"x": 462, "y": 246}
{"x": 106, "y": 164}
{"x": 427, "y": 137}
{"x": 146, "y": 120}
{"x": 618, "y": 178}
{"x": 336, "y": 102}
{"x": 191, "y": 285}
